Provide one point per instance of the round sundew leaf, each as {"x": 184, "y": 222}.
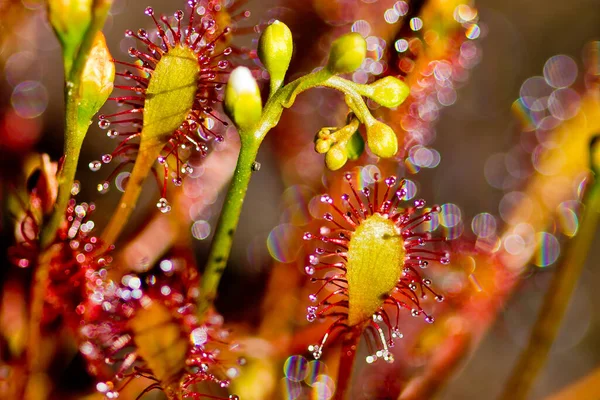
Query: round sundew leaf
{"x": 375, "y": 256}
{"x": 171, "y": 93}
{"x": 159, "y": 341}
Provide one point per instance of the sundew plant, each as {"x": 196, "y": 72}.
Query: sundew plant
{"x": 266, "y": 200}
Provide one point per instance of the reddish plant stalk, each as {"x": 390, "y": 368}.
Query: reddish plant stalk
{"x": 533, "y": 358}
{"x": 347, "y": 358}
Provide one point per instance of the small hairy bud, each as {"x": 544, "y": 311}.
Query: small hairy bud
{"x": 322, "y": 146}
{"x": 340, "y": 144}
{"x": 382, "y": 140}
{"x": 243, "y": 103}
{"x": 275, "y": 50}
{"x": 347, "y": 53}
{"x": 389, "y": 92}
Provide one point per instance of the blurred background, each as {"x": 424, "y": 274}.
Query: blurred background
{"x": 478, "y": 138}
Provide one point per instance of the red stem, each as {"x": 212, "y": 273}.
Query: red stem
{"x": 347, "y": 357}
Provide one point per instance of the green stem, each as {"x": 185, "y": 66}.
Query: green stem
{"x": 274, "y": 86}
{"x": 232, "y": 207}
{"x": 74, "y": 134}
{"x": 301, "y": 84}
{"x": 556, "y": 301}
{"x": 146, "y": 157}
{"x": 228, "y": 221}
{"x": 75, "y": 130}
{"x": 65, "y": 178}
{"x": 353, "y": 97}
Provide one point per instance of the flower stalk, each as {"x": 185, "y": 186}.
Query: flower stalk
{"x": 252, "y": 136}
{"x": 78, "y": 118}
{"x": 228, "y": 221}
{"x": 142, "y": 167}
{"x": 171, "y": 106}
{"x": 346, "y": 366}
{"x": 563, "y": 283}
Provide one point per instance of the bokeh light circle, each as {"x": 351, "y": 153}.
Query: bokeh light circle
{"x": 560, "y": 71}
{"x": 29, "y": 99}
{"x": 201, "y": 230}
{"x": 548, "y": 249}
{"x": 564, "y": 104}
{"x": 315, "y": 369}
{"x": 411, "y": 190}
{"x": 484, "y": 225}
{"x": 296, "y": 368}
{"x": 532, "y": 90}
{"x": 323, "y": 388}
{"x": 450, "y": 215}
{"x": 292, "y": 390}
{"x": 568, "y": 220}
{"x": 284, "y": 243}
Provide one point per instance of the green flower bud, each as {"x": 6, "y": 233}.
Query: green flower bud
{"x": 340, "y": 144}
{"x": 96, "y": 80}
{"x": 382, "y": 140}
{"x": 335, "y": 158}
{"x": 347, "y": 53}
{"x": 242, "y": 99}
{"x": 389, "y": 92}
{"x": 355, "y": 146}
{"x": 275, "y": 49}
{"x": 322, "y": 145}
{"x": 70, "y": 19}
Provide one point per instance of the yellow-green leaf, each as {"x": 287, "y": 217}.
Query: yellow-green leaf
{"x": 375, "y": 256}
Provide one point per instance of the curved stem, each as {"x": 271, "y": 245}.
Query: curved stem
{"x": 556, "y": 301}
{"x": 232, "y": 207}
{"x": 353, "y": 97}
{"x": 146, "y": 157}
{"x": 251, "y": 141}
{"x": 301, "y": 84}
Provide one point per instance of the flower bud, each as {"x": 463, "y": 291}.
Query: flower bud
{"x": 275, "y": 49}
{"x": 335, "y": 158}
{"x": 347, "y": 53}
{"x": 96, "y": 80}
{"x": 389, "y": 92}
{"x": 70, "y": 19}
{"x": 355, "y": 146}
{"x": 382, "y": 140}
{"x": 322, "y": 145}
{"x": 242, "y": 98}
